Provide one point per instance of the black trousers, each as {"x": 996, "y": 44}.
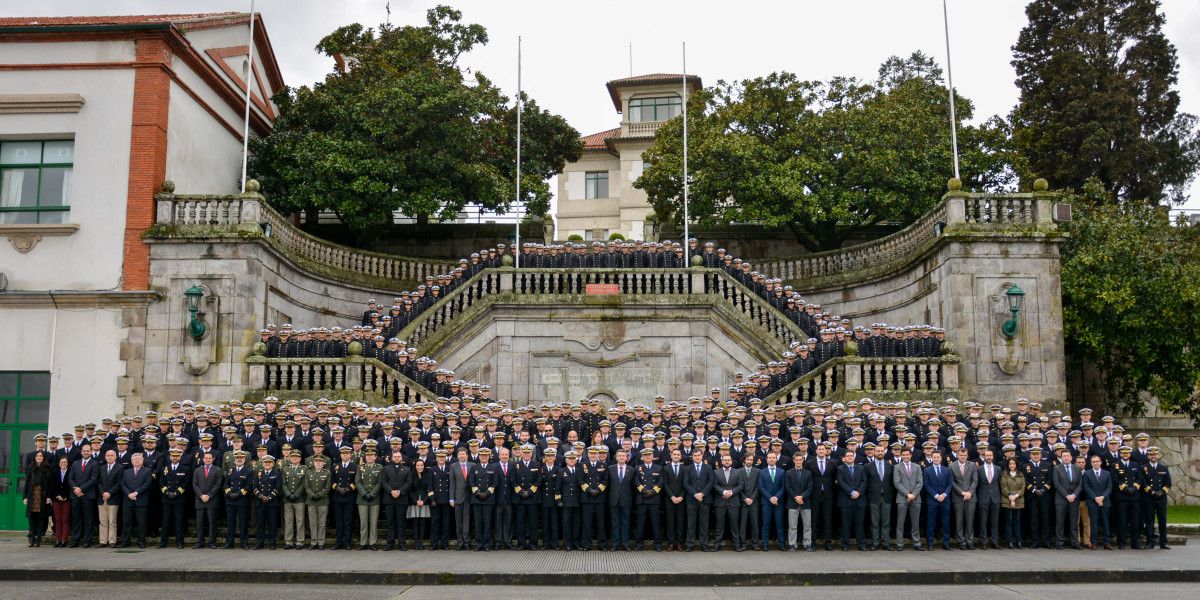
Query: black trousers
{"x": 267, "y": 518}
{"x": 395, "y": 513}
{"x": 570, "y": 528}
{"x": 1038, "y": 508}
{"x": 1155, "y": 508}
{"x": 750, "y": 522}
{"x": 550, "y": 522}
{"x": 697, "y": 523}
{"x": 648, "y": 512}
{"x": 83, "y": 519}
{"x": 483, "y": 516}
{"x": 676, "y": 521}
{"x": 1128, "y": 518}
{"x": 1066, "y": 522}
{"x": 172, "y": 522}
{"x": 134, "y": 515}
{"x": 237, "y": 519}
{"x": 526, "y": 524}
{"x": 620, "y": 517}
{"x": 206, "y": 523}
{"x": 343, "y": 523}
{"x": 852, "y": 517}
{"x": 593, "y": 525}
{"x": 822, "y": 516}
{"x": 728, "y": 516}
{"x": 441, "y": 516}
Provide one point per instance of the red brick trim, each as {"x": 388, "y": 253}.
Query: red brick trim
{"x": 147, "y": 153}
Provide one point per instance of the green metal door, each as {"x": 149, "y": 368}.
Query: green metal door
{"x": 24, "y": 411}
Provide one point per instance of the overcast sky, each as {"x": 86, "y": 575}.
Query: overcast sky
{"x": 572, "y": 48}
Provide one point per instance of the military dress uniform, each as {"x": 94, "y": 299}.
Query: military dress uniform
{"x": 317, "y": 487}
{"x": 525, "y": 481}
{"x": 266, "y": 485}
{"x": 594, "y": 485}
{"x": 1038, "y": 505}
{"x": 343, "y": 474}
{"x": 293, "y": 503}
{"x": 483, "y": 482}
{"x": 648, "y": 485}
{"x": 1127, "y": 497}
{"x": 173, "y": 482}
{"x": 1157, "y": 483}
{"x": 440, "y": 511}
{"x": 237, "y": 501}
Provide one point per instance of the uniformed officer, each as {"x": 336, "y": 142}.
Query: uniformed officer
{"x": 342, "y": 476}
{"x": 568, "y": 499}
{"x": 483, "y": 481}
{"x": 266, "y": 485}
{"x": 292, "y": 491}
{"x": 593, "y": 484}
{"x": 1127, "y": 497}
{"x": 237, "y": 494}
{"x": 440, "y": 509}
{"x": 1038, "y": 506}
{"x": 1156, "y": 480}
{"x": 173, "y": 483}
{"x": 525, "y": 479}
{"x": 317, "y": 487}
{"x": 648, "y": 485}
{"x": 367, "y": 488}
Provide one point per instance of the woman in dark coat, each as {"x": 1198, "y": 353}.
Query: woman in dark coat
{"x": 420, "y": 495}
{"x": 37, "y": 498}
{"x": 60, "y": 501}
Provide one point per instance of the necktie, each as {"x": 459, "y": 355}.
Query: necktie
{"x": 937, "y": 471}
{"x": 621, "y": 473}
{"x": 1097, "y": 473}
{"x": 772, "y": 473}
{"x": 464, "y": 468}
{"x": 110, "y": 469}
{"x": 676, "y": 469}
{"x": 135, "y": 472}
{"x": 908, "y": 468}
{"x": 206, "y": 469}
{"x": 1069, "y": 477}
{"x": 821, "y": 464}
{"x": 852, "y": 470}
{"x": 726, "y": 475}
{"x": 504, "y": 467}
{"x": 879, "y": 463}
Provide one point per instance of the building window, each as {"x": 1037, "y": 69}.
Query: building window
{"x": 595, "y": 185}
{"x": 35, "y": 181}
{"x": 654, "y": 109}
{"x": 24, "y": 398}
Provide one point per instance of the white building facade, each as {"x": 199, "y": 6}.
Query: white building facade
{"x": 596, "y": 197}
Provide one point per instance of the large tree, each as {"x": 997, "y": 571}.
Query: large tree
{"x": 1131, "y": 303}
{"x": 397, "y": 125}
{"x": 825, "y": 159}
{"x": 1098, "y": 99}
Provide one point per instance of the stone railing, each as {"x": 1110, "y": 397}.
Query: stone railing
{"x": 351, "y": 378}
{"x": 846, "y": 376}
{"x": 642, "y": 128}
{"x": 956, "y": 208}
{"x": 248, "y": 215}
{"x": 618, "y": 282}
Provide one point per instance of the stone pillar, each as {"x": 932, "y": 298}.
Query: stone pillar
{"x": 354, "y": 373}
{"x": 257, "y": 373}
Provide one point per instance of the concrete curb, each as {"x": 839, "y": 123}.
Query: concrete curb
{"x": 1052, "y": 576}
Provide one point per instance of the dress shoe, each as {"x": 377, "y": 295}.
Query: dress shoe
{"x": 920, "y": 548}
{"x": 141, "y": 544}
{"x": 945, "y": 545}
{"x": 1108, "y": 547}
{"x": 808, "y": 548}
{"x": 1164, "y": 547}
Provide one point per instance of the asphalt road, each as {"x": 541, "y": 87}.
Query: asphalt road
{"x": 159, "y": 591}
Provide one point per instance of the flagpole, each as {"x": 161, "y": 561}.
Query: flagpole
{"x": 950, "y": 86}
{"x": 517, "y": 243}
{"x": 687, "y": 252}
{"x": 249, "y": 75}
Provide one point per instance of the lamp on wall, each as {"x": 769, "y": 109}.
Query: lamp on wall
{"x": 1016, "y": 301}
{"x": 196, "y": 326}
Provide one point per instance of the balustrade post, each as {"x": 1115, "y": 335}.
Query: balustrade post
{"x": 258, "y": 376}
{"x": 854, "y": 376}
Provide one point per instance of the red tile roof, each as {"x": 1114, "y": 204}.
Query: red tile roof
{"x": 184, "y": 18}
{"x": 596, "y": 141}
{"x": 616, "y": 84}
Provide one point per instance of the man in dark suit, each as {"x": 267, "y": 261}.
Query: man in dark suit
{"x": 395, "y": 482}
{"x": 852, "y": 500}
{"x": 620, "y": 501}
{"x": 771, "y": 490}
{"x": 988, "y": 494}
{"x": 108, "y": 495}
{"x": 647, "y": 485}
{"x": 751, "y": 518}
{"x": 727, "y": 498}
{"x": 938, "y": 484}
{"x": 83, "y": 478}
{"x": 674, "y": 497}
{"x": 964, "y": 476}
{"x": 697, "y": 485}
{"x": 1068, "y": 485}
{"x": 460, "y": 497}
{"x": 1097, "y": 489}
{"x": 823, "y": 471}
{"x": 881, "y": 495}
{"x": 173, "y": 483}
{"x": 135, "y": 493}
{"x": 207, "y": 480}
{"x": 799, "y": 486}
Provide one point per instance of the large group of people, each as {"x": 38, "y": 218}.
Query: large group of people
{"x": 828, "y": 333}
{"x": 711, "y": 473}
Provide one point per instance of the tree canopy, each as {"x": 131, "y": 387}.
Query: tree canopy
{"x": 1131, "y": 304}
{"x": 825, "y": 159}
{"x": 399, "y": 125}
{"x": 1098, "y": 99}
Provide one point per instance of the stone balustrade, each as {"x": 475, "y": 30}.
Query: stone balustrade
{"x": 848, "y": 377}
{"x": 249, "y": 216}
{"x": 351, "y": 378}
{"x": 957, "y": 208}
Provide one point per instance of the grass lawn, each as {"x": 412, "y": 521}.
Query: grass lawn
{"x": 1183, "y": 514}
